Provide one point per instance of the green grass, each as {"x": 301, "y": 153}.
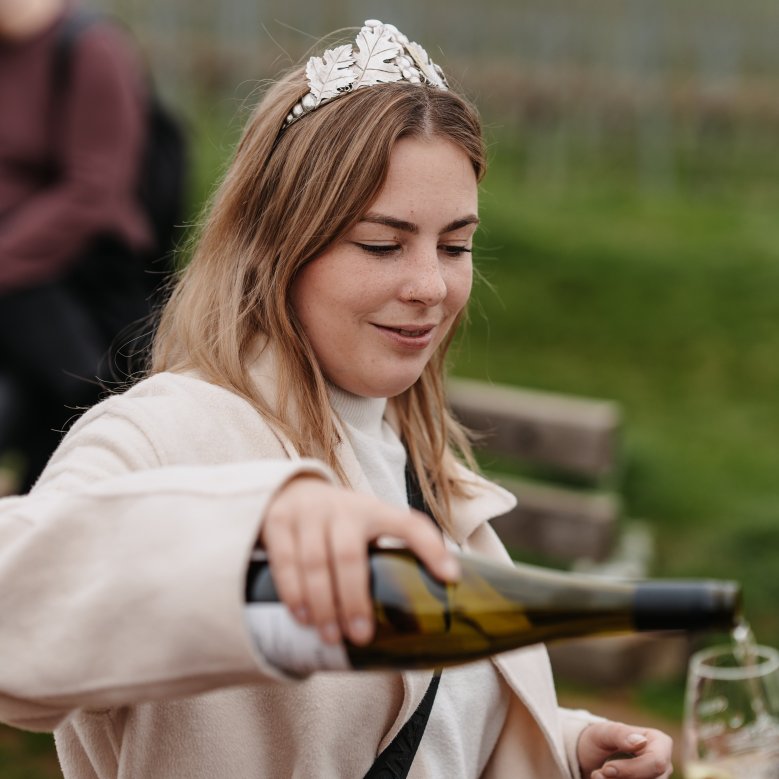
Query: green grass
{"x": 667, "y": 302}
{"x": 26, "y": 755}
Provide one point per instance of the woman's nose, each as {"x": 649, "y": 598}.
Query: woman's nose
{"x": 425, "y": 282}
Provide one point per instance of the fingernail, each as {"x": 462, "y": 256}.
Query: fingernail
{"x": 610, "y": 770}
{"x": 301, "y": 614}
{"x": 360, "y": 630}
{"x": 634, "y": 739}
{"x": 330, "y": 633}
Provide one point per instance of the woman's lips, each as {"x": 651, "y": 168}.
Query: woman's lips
{"x": 408, "y": 336}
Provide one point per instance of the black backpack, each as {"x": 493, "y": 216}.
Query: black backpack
{"x": 163, "y": 176}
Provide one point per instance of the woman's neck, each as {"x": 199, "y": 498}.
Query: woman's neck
{"x": 365, "y": 414}
{"x": 376, "y": 446}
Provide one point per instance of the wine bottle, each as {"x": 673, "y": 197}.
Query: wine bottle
{"x": 424, "y": 623}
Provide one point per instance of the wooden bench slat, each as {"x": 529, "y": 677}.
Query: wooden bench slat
{"x": 577, "y": 435}
{"x": 558, "y": 522}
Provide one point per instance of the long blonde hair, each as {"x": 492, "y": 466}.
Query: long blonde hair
{"x": 286, "y": 198}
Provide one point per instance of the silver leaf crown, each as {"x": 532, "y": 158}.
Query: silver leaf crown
{"x": 382, "y": 55}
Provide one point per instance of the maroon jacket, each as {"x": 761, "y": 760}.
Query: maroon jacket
{"x": 68, "y": 163}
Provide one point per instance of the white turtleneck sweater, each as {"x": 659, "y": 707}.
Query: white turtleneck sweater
{"x": 471, "y": 703}
{"x": 376, "y": 445}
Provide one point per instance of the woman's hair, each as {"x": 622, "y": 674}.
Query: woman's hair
{"x": 286, "y": 198}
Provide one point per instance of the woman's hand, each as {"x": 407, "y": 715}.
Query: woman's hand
{"x": 316, "y": 536}
{"x": 603, "y": 748}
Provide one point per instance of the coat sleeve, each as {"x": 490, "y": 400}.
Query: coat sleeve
{"x": 121, "y": 578}
{"x": 574, "y": 721}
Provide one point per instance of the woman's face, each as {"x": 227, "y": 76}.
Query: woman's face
{"x": 377, "y": 304}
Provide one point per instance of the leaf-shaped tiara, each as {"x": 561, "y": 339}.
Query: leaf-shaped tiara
{"x": 383, "y": 55}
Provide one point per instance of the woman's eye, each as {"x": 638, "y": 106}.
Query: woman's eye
{"x": 454, "y": 250}
{"x": 380, "y": 249}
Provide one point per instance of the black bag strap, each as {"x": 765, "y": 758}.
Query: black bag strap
{"x": 70, "y": 29}
{"x": 394, "y": 761}
{"x": 68, "y": 32}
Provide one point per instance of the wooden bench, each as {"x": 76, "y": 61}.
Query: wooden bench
{"x": 568, "y": 509}
{"x": 571, "y": 439}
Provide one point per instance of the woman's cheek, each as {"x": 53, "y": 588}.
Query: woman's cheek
{"x": 460, "y": 290}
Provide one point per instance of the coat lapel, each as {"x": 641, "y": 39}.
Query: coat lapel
{"x": 526, "y": 671}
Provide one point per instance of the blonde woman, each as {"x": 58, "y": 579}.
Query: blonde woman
{"x": 296, "y": 375}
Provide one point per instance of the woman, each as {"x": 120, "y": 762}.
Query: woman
{"x": 296, "y": 373}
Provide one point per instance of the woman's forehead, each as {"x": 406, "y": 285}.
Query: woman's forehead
{"x": 432, "y": 177}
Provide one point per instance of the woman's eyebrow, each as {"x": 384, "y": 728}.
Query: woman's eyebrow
{"x": 410, "y": 227}
{"x": 471, "y": 219}
{"x": 390, "y": 221}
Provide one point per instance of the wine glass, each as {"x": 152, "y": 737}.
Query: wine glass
{"x": 731, "y": 714}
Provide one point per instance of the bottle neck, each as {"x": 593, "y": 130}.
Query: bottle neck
{"x": 669, "y": 605}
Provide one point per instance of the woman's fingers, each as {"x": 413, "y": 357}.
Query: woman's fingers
{"x": 351, "y": 576}
{"x": 421, "y": 536}
{"x": 359, "y": 520}
{"x": 318, "y": 586}
{"x": 279, "y": 540}
{"x": 639, "y": 767}
{"x": 317, "y": 536}
{"x": 651, "y": 750}
{"x": 350, "y": 563}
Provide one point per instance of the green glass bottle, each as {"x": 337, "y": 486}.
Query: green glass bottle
{"x": 424, "y": 623}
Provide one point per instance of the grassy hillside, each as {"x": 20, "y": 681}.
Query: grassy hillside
{"x": 667, "y": 302}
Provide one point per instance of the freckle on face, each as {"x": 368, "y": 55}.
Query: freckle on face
{"x": 355, "y": 307}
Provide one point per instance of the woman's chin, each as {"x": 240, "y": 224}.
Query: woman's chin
{"x": 390, "y": 387}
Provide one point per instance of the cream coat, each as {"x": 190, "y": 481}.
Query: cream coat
{"x": 121, "y": 584}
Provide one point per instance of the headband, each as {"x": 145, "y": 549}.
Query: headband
{"x": 379, "y": 55}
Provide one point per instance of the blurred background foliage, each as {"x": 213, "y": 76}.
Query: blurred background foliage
{"x": 630, "y": 241}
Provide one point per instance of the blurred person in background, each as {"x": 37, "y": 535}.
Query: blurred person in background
{"x": 296, "y": 391}
{"x": 72, "y": 132}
